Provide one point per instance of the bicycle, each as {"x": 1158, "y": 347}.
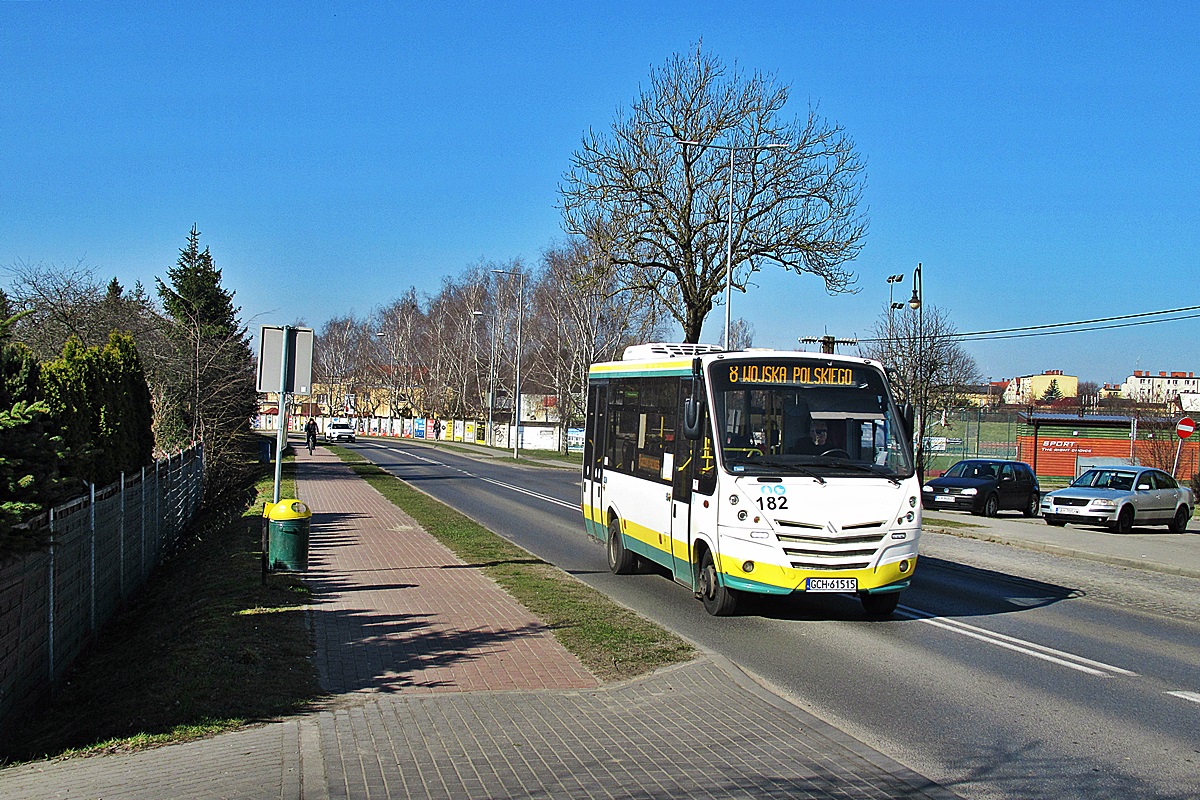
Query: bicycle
{"x": 312, "y": 443}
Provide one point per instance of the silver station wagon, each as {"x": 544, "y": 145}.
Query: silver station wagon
{"x": 1121, "y": 497}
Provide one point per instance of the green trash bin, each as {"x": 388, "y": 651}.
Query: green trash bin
{"x": 288, "y": 524}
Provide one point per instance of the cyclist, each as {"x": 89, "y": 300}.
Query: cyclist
{"x": 310, "y": 433}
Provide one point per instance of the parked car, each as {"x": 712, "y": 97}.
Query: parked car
{"x": 984, "y": 486}
{"x": 1121, "y": 497}
{"x": 339, "y": 432}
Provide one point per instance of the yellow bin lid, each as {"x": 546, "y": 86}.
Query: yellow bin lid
{"x": 290, "y": 508}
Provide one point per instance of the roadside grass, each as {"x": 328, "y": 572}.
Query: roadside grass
{"x": 205, "y": 648}
{"x": 944, "y": 522}
{"x": 609, "y": 639}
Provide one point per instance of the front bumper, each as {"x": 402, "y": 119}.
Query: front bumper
{"x": 956, "y": 502}
{"x": 1084, "y": 514}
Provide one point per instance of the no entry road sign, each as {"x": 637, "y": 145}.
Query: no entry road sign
{"x": 1185, "y": 427}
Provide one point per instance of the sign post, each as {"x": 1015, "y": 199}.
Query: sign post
{"x": 287, "y": 352}
{"x": 1184, "y": 428}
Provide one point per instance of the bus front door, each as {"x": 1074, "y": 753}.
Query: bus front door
{"x": 681, "y": 501}
{"x": 594, "y": 447}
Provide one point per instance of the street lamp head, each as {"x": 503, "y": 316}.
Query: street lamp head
{"x": 897, "y": 306}
{"x": 895, "y": 278}
{"x": 914, "y": 301}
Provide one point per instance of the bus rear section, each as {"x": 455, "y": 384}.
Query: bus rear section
{"x": 768, "y": 472}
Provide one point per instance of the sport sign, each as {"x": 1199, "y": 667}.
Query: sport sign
{"x": 1185, "y": 427}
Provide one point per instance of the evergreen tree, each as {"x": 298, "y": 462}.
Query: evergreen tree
{"x": 29, "y": 454}
{"x": 1052, "y": 392}
{"x": 213, "y": 392}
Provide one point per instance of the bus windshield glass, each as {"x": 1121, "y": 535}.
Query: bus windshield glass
{"x": 808, "y": 417}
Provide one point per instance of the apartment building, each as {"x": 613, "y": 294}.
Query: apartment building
{"x": 1031, "y": 388}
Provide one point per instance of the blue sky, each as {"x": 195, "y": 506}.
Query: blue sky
{"x": 1040, "y": 160}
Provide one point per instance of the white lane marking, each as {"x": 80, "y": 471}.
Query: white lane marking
{"x": 1193, "y": 696}
{"x": 547, "y": 498}
{"x": 1062, "y": 658}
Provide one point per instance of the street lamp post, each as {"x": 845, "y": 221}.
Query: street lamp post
{"x": 729, "y": 240}
{"x": 491, "y": 374}
{"x": 517, "y": 380}
{"x": 916, "y": 302}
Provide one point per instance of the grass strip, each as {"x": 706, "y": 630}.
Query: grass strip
{"x": 609, "y": 639}
{"x": 204, "y": 648}
{"x": 943, "y": 522}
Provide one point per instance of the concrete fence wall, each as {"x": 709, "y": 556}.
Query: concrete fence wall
{"x": 103, "y": 547}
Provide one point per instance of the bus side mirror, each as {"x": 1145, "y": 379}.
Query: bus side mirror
{"x": 693, "y": 414}
{"x": 909, "y": 419}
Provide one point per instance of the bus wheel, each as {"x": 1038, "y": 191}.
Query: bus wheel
{"x": 718, "y": 600}
{"x": 880, "y": 605}
{"x": 620, "y": 560}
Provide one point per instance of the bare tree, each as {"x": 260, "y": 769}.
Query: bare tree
{"x": 930, "y": 368}
{"x": 341, "y": 362}
{"x": 398, "y": 328}
{"x": 60, "y": 302}
{"x": 660, "y": 209}
{"x": 578, "y": 318}
{"x": 741, "y": 334}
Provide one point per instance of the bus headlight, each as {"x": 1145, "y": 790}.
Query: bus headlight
{"x": 904, "y": 565}
{"x": 748, "y": 566}
{"x": 742, "y": 515}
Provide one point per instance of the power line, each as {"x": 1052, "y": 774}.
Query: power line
{"x": 1072, "y": 327}
{"x": 980, "y": 338}
{"x": 1086, "y": 322}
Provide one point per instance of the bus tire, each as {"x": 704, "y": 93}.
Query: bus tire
{"x": 880, "y": 605}
{"x": 620, "y": 560}
{"x": 719, "y": 600}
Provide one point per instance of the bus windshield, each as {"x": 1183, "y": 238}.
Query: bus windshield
{"x": 808, "y": 417}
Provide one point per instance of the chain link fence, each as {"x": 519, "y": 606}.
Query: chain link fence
{"x": 102, "y": 549}
{"x": 970, "y": 433}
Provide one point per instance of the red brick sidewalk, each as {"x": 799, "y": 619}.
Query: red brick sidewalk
{"x": 395, "y": 611}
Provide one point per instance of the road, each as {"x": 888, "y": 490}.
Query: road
{"x": 1006, "y": 673}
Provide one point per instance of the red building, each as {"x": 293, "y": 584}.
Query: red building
{"x": 1054, "y": 443}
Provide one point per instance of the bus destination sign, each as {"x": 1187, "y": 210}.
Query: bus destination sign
{"x": 791, "y": 374}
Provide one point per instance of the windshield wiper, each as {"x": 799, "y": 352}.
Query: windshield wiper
{"x": 871, "y": 468}
{"x": 790, "y": 466}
